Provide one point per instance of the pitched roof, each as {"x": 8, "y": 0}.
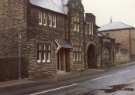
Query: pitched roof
{"x": 59, "y": 6}
{"x": 114, "y": 26}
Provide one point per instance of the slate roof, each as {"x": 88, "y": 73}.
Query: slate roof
{"x": 59, "y": 6}
{"x": 114, "y": 26}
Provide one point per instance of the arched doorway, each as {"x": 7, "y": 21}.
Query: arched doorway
{"x": 91, "y": 56}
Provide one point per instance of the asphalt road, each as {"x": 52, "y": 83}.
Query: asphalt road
{"x": 120, "y": 81}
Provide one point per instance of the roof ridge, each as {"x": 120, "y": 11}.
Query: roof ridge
{"x": 56, "y": 4}
{"x": 114, "y": 26}
{"x": 51, "y": 5}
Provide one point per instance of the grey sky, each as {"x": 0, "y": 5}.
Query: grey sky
{"x": 120, "y": 10}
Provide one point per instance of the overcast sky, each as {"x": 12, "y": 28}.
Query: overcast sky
{"x": 119, "y": 10}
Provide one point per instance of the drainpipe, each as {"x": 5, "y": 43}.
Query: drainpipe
{"x": 84, "y": 44}
{"x": 19, "y": 56}
{"x": 130, "y": 44}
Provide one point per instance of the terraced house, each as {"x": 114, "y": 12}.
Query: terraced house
{"x": 56, "y": 36}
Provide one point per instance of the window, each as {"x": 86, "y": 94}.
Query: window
{"x": 90, "y": 28}
{"x": 74, "y": 27}
{"x": 86, "y": 29}
{"x": 78, "y": 27}
{"x": 54, "y": 22}
{"x": 40, "y": 18}
{"x": 39, "y": 53}
{"x": 77, "y": 19}
{"x": 76, "y": 24}
{"x": 44, "y": 19}
{"x": 47, "y": 19}
{"x": 50, "y": 20}
{"x": 77, "y": 54}
{"x": 43, "y": 53}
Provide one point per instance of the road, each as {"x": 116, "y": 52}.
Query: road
{"x": 120, "y": 81}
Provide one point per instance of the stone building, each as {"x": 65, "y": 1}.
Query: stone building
{"x": 42, "y": 38}
{"x": 63, "y": 38}
{"x": 125, "y": 40}
{"x": 63, "y": 30}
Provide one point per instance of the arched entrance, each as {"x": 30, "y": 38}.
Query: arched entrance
{"x": 91, "y": 56}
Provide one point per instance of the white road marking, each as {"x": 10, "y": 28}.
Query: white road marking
{"x": 102, "y": 77}
{"x": 55, "y": 89}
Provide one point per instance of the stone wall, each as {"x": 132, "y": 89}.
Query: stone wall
{"x": 13, "y": 24}
{"x": 108, "y": 52}
{"x": 76, "y": 37}
{"x": 122, "y": 44}
{"x": 90, "y": 39}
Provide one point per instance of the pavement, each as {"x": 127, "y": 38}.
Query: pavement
{"x": 70, "y": 83}
{"x": 62, "y": 77}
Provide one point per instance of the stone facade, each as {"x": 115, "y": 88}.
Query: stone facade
{"x": 41, "y": 42}
{"x": 78, "y": 29}
{"x": 107, "y": 51}
{"x": 13, "y": 25}
{"x": 90, "y": 41}
{"x": 62, "y": 59}
{"x": 125, "y": 43}
{"x": 44, "y": 34}
{"x": 122, "y": 43}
